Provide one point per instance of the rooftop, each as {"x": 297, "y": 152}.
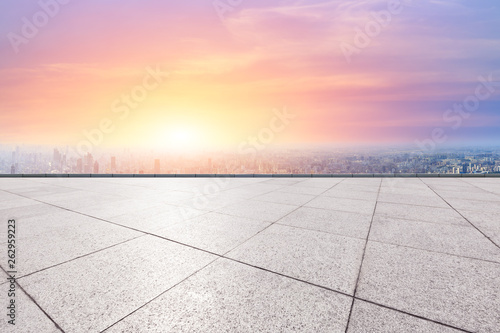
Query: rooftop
{"x": 253, "y": 254}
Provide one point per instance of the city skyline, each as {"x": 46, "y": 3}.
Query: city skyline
{"x": 321, "y": 72}
{"x": 313, "y": 160}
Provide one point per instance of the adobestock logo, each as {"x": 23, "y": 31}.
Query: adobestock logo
{"x": 122, "y": 107}
{"x": 30, "y": 28}
{"x": 455, "y": 116}
{"x": 266, "y": 135}
{"x": 373, "y": 28}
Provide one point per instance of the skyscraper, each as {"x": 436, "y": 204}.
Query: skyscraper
{"x": 96, "y": 167}
{"x": 13, "y": 169}
{"x": 113, "y": 164}
{"x": 79, "y": 165}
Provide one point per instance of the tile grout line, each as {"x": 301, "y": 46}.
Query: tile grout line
{"x": 362, "y": 260}
{"x": 472, "y": 224}
{"x": 494, "y": 193}
{"x": 247, "y": 264}
{"x": 398, "y": 245}
{"x": 273, "y": 223}
{"x": 162, "y": 293}
{"x": 36, "y": 303}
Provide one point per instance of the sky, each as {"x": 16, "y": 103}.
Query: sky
{"x": 207, "y": 74}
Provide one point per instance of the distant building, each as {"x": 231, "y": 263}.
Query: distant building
{"x": 79, "y": 166}
{"x": 96, "y": 167}
{"x": 113, "y": 164}
{"x": 88, "y": 163}
{"x": 13, "y": 169}
{"x": 157, "y": 166}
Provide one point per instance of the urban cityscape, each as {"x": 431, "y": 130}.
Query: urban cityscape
{"x": 57, "y": 160}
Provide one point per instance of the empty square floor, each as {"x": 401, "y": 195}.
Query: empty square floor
{"x": 251, "y": 254}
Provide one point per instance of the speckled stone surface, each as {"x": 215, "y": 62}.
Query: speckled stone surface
{"x": 463, "y": 241}
{"x": 258, "y": 210}
{"x": 343, "y": 204}
{"x": 91, "y": 293}
{"x": 331, "y": 221}
{"x": 231, "y": 297}
{"x": 254, "y": 254}
{"x": 370, "y": 318}
{"x": 213, "y": 232}
{"x": 55, "y": 238}
{"x": 420, "y": 213}
{"x": 29, "y": 317}
{"x": 453, "y": 290}
{"x": 324, "y": 259}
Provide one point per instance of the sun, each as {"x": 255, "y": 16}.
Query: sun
{"x": 182, "y": 136}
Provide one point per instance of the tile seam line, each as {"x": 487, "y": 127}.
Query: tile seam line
{"x": 472, "y": 224}
{"x": 234, "y": 260}
{"x": 413, "y": 315}
{"x": 161, "y": 294}
{"x": 36, "y": 303}
{"x": 228, "y": 258}
{"x": 471, "y": 184}
{"x": 363, "y": 259}
{"x": 399, "y": 245}
{"x": 80, "y": 257}
{"x": 214, "y": 211}
{"x": 274, "y": 222}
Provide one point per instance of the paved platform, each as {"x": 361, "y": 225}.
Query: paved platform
{"x": 253, "y": 254}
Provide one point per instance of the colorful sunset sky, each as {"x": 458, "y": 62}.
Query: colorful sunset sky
{"x": 350, "y": 71}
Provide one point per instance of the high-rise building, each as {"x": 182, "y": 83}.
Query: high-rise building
{"x": 88, "y": 163}
{"x": 96, "y": 167}
{"x": 113, "y": 164}
{"x": 79, "y": 165}
{"x": 13, "y": 169}
{"x": 157, "y": 166}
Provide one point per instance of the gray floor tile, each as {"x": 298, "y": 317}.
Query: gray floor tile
{"x": 213, "y": 232}
{"x": 432, "y": 200}
{"x": 345, "y": 186}
{"x": 231, "y": 297}
{"x": 285, "y": 198}
{"x": 258, "y": 210}
{"x": 35, "y": 209}
{"x": 16, "y": 202}
{"x": 342, "y": 193}
{"x": 341, "y": 204}
{"x": 370, "y": 318}
{"x": 420, "y": 213}
{"x": 456, "y": 291}
{"x": 29, "y": 318}
{"x": 317, "y": 257}
{"x": 93, "y": 292}
{"x": 52, "y": 239}
{"x": 300, "y": 189}
{"x": 487, "y": 222}
{"x": 463, "y": 241}
{"x": 155, "y": 218}
{"x": 324, "y": 183}
{"x": 332, "y": 221}
{"x": 476, "y": 204}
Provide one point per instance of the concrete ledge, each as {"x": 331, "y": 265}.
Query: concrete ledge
{"x": 474, "y": 175}
{"x": 335, "y": 175}
{"x": 492, "y": 175}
